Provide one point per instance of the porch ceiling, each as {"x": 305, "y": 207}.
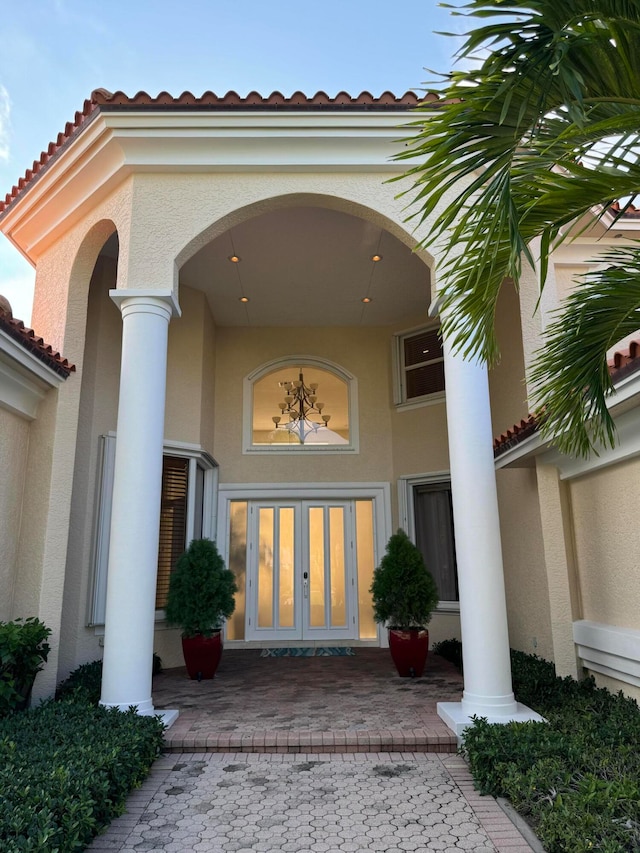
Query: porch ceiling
{"x": 309, "y": 266}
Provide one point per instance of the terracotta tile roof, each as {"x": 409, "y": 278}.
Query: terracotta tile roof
{"x": 276, "y": 100}
{"x": 625, "y": 361}
{"x": 102, "y": 100}
{"x": 31, "y": 342}
{"x": 621, "y": 363}
{"x": 630, "y": 211}
{"x": 515, "y": 435}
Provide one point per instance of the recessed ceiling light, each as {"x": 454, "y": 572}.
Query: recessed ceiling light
{"x": 376, "y": 258}
{"x": 244, "y": 299}
{"x": 234, "y": 259}
{"x": 366, "y": 299}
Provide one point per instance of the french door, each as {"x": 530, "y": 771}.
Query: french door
{"x": 301, "y": 570}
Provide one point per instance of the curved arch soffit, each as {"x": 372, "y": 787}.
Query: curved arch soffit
{"x": 80, "y": 277}
{"x": 294, "y": 360}
{"x": 330, "y": 202}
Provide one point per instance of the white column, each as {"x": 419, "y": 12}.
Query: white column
{"x": 135, "y": 513}
{"x": 483, "y": 611}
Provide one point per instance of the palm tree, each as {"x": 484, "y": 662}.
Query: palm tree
{"x": 536, "y": 135}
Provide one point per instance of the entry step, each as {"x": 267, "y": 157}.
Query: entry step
{"x": 439, "y": 739}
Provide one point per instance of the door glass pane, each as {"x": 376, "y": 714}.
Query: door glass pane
{"x": 366, "y": 564}
{"x": 286, "y": 592}
{"x": 337, "y": 567}
{"x": 238, "y": 565}
{"x": 265, "y": 567}
{"x": 316, "y": 567}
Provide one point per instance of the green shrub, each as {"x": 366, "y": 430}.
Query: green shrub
{"x": 450, "y": 650}
{"x": 23, "y": 652}
{"x": 576, "y": 778}
{"x": 65, "y": 771}
{"x": 85, "y": 682}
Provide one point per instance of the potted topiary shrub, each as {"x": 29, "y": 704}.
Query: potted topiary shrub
{"x": 404, "y": 597}
{"x": 200, "y": 597}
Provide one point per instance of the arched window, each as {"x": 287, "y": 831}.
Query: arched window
{"x": 300, "y": 403}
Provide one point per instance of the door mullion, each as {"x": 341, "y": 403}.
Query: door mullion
{"x": 275, "y": 585}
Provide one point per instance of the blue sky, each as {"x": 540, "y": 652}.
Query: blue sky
{"x": 55, "y": 52}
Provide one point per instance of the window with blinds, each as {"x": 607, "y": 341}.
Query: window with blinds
{"x": 186, "y": 512}
{"x": 422, "y": 364}
{"x": 433, "y": 516}
{"x": 173, "y": 521}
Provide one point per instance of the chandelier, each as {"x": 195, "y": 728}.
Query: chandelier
{"x": 300, "y": 410}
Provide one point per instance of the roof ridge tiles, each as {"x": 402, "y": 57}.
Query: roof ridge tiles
{"x": 102, "y": 97}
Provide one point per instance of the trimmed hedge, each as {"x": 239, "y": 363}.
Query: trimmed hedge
{"x": 575, "y": 778}
{"x": 65, "y": 771}
{"x": 85, "y": 682}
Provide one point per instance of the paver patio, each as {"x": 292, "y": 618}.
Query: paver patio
{"x": 317, "y": 704}
{"x": 310, "y": 754}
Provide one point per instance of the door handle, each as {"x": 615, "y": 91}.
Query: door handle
{"x": 305, "y": 584}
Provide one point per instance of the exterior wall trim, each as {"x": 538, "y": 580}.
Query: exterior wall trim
{"x": 609, "y": 650}
{"x": 24, "y": 379}
{"x": 627, "y": 420}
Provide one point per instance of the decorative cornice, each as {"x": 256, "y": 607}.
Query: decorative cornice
{"x": 104, "y": 101}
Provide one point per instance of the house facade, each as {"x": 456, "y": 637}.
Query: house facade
{"x": 255, "y": 339}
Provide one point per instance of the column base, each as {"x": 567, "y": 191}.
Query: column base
{"x": 457, "y": 718}
{"x": 167, "y": 717}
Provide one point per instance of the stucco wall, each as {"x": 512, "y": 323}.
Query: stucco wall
{"x": 98, "y": 415}
{"x": 364, "y": 352}
{"x": 607, "y": 542}
{"x": 13, "y": 460}
{"x": 524, "y": 567}
{"x": 506, "y": 380}
{"x": 185, "y": 368}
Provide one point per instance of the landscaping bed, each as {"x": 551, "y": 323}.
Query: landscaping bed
{"x": 575, "y": 778}
{"x": 66, "y": 769}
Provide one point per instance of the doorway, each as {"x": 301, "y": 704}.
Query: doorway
{"x": 304, "y": 568}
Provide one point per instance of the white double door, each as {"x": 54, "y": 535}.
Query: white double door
{"x": 301, "y": 571}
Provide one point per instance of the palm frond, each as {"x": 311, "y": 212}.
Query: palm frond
{"x": 542, "y": 130}
{"x": 570, "y": 374}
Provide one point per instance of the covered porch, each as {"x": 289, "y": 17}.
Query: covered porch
{"x": 332, "y": 704}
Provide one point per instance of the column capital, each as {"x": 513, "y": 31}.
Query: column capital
{"x": 146, "y": 297}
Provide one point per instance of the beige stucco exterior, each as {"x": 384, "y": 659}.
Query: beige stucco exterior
{"x": 13, "y": 462}
{"x": 569, "y": 549}
{"x": 607, "y": 543}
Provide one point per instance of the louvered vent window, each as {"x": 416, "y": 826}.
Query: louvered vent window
{"x": 422, "y": 364}
{"x": 173, "y": 521}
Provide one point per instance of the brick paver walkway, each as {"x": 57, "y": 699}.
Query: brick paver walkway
{"x": 355, "y": 793}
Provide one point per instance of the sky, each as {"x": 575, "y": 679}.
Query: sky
{"x": 55, "y": 52}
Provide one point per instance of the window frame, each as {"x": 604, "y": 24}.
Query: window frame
{"x": 294, "y": 361}
{"x": 406, "y": 511}
{"x": 401, "y": 402}
{"x": 198, "y": 458}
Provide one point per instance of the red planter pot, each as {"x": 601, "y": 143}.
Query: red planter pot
{"x": 409, "y": 651}
{"x": 202, "y": 655}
